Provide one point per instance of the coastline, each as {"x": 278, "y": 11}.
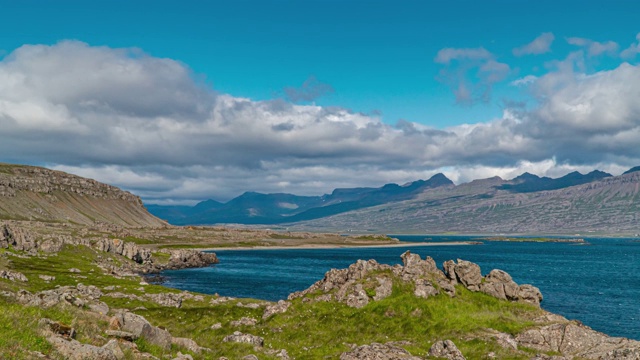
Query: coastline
{"x": 338, "y": 246}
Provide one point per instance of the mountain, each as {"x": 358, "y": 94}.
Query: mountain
{"x": 606, "y": 204}
{"x": 257, "y": 208}
{"x": 532, "y": 183}
{"x": 35, "y": 193}
{"x": 633, "y": 169}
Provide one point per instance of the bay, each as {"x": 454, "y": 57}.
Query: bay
{"x": 597, "y": 283}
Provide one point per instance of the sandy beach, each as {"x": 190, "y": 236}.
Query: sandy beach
{"x": 338, "y": 246}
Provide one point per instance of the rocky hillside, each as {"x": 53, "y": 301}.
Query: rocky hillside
{"x": 34, "y": 193}
{"x": 610, "y": 204}
{"x": 85, "y": 299}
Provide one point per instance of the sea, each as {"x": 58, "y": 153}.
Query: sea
{"x": 596, "y": 282}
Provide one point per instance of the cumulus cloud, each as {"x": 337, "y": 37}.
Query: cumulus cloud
{"x": 539, "y": 45}
{"x": 595, "y": 48}
{"x": 470, "y": 73}
{"x": 147, "y": 124}
{"x": 310, "y": 90}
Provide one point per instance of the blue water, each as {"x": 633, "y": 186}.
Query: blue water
{"x": 598, "y": 283}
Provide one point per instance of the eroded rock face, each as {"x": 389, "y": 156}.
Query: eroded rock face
{"x": 128, "y": 250}
{"x": 19, "y": 238}
{"x": 446, "y": 349}
{"x": 376, "y": 351}
{"x": 184, "y": 258}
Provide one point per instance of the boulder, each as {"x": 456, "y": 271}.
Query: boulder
{"x": 468, "y": 274}
{"x": 414, "y": 267}
{"x": 114, "y": 346}
{"x": 139, "y": 326}
{"x": 449, "y": 267}
{"x": 376, "y": 351}
{"x": 74, "y": 350}
{"x": 424, "y": 288}
{"x": 244, "y": 321}
{"x": 188, "y": 344}
{"x": 358, "y": 298}
{"x": 239, "y": 337}
{"x": 166, "y": 299}
{"x": 530, "y": 294}
{"x": 278, "y": 308}
{"x": 446, "y": 349}
{"x": 500, "y": 285}
{"x": 13, "y": 276}
{"x": 384, "y": 288}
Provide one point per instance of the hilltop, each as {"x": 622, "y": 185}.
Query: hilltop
{"x": 36, "y": 193}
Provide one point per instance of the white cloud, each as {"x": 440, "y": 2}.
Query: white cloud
{"x": 144, "y": 123}
{"x": 632, "y": 50}
{"x": 539, "y": 45}
{"x": 470, "y": 73}
{"x": 445, "y": 56}
{"x": 595, "y": 48}
{"x": 527, "y": 80}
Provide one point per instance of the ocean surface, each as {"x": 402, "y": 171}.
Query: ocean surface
{"x": 597, "y": 283}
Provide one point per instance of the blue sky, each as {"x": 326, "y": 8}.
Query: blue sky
{"x": 377, "y": 55}
{"x": 434, "y": 64}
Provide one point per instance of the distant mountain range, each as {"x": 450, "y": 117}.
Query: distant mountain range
{"x": 596, "y": 201}
{"x": 257, "y": 208}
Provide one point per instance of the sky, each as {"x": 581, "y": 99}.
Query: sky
{"x": 180, "y": 102}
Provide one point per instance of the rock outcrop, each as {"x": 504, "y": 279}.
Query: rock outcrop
{"x": 356, "y": 288}
{"x": 446, "y": 349}
{"x": 140, "y": 327}
{"x": 184, "y": 258}
{"x": 576, "y": 340}
{"x": 126, "y": 249}
{"x": 376, "y": 351}
{"x": 239, "y": 337}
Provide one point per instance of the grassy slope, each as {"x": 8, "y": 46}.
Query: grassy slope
{"x": 309, "y": 330}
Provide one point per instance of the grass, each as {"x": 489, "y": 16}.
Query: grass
{"x": 308, "y": 330}
{"x": 401, "y": 316}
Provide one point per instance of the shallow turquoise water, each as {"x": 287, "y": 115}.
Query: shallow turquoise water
{"x": 598, "y": 284}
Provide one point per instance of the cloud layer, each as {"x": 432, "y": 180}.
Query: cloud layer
{"x": 148, "y": 124}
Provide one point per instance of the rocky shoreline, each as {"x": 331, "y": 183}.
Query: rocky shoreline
{"x": 360, "y": 286}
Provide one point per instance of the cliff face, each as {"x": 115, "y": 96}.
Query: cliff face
{"x": 34, "y": 193}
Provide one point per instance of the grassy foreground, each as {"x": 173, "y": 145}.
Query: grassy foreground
{"x": 308, "y": 330}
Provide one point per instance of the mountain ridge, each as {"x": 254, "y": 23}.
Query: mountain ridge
{"x": 36, "y": 193}
{"x": 610, "y": 205}
{"x": 253, "y": 208}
